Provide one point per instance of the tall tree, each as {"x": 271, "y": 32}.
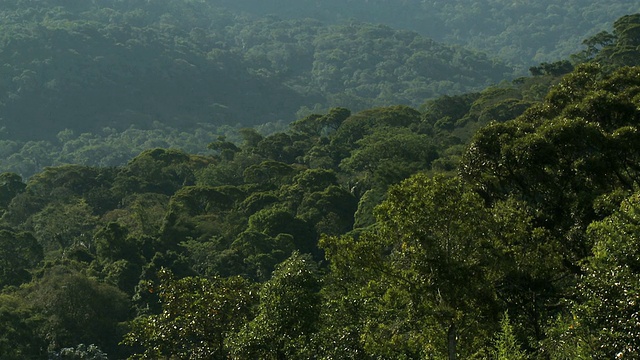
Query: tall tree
{"x": 19, "y": 253}
{"x": 76, "y": 310}
{"x": 10, "y": 185}
{"x": 609, "y": 305}
{"x": 561, "y": 156}
{"x": 198, "y": 315}
{"x": 19, "y": 337}
{"x": 426, "y": 267}
{"x": 286, "y": 316}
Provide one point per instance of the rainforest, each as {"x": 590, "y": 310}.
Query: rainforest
{"x": 186, "y": 179}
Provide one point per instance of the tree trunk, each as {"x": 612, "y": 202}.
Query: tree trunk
{"x": 452, "y": 341}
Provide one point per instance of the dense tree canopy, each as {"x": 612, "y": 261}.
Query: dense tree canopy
{"x": 87, "y": 66}
{"x": 523, "y": 33}
{"x": 500, "y": 223}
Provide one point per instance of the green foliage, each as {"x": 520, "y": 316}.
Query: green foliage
{"x": 10, "y": 185}
{"x": 287, "y": 315}
{"x": 20, "y": 338}
{"x": 97, "y": 83}
{"x": 531, "y": 279}
{"x": 425, "y": 267}
{"x": 59, "y": 226}
{"x": 159, "y": 171}
{"x": 142, "y": 214}
{"x": 363, "y": 216}
{"x": 269, "y": 173}
{"x": 506, "y": 344}
{"x": 612, "y": 281}
{"x": 275, "y": 221}
{"x": 389, "y": 156}
{"x": 364, "y": 123}
{"x": 105, "y": 147}
{"x": 76, "y": 309}
{"x": 81, "y": 352}
{"x": 620, "y": 48}
{"x": 19, "y": 253}
{"x": 562, "y": 155}
{"x": 198, "y": 315}
{"x": 554, "y": 69}
{"x": 361, "y": 240}
{"x": 321, "y": 125}
{"x": 112, "y": 243}
{"x": 257, "y": 254}
{"x": 331, "y": 210}
{"x": 523, "y": 33}
{"x": 195, "y": 208}
{"x": 568, "y": 338}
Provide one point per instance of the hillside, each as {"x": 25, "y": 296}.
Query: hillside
{"x": 85, "y": 66}
{"x": 495, "y": 224}
{"x": 523, "y": 33}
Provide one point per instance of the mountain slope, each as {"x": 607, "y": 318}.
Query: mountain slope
{"x": 523, "y": 33}
{"x": 88, "y": 65}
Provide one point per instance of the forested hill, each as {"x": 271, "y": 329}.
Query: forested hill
{"x": 499, "y": 224}
{"x": 523, "y": 33}
{"x": 87, "y": 65}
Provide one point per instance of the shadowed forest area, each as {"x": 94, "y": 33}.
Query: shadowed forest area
{"x": 196, "y": 180}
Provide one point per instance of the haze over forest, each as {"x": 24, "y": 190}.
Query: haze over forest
{"x": 89, "y": 71}
{"x": 355, "y": 179}
{"x": 521, "y": 33}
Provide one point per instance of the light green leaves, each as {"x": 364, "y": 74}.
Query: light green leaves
{"x": 197, "y": 317}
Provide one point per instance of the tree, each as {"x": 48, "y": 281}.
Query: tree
{"x": 258, "y": 254}
{"x": 451, "y": 107}
{"x": 531, "y": 281}
{"x": 195, "y": 212}
{"x": 76, "y": 310}
{"x": 60, "y": 225}
{"x": 142, "y": 214}
{"x": 113, "y": 243}
{"x": 623, "y": 51}
{"x": 279, "y": 147}
{"x": 80, "y": 352}
{"x": 250, "y": 138}
{"x": 10, "y": 185}
{"x": 321, "y": 125}
{"x": 159, "y": 171}
{"x": 388, "y": 156}
{"x": 557, "y": 68}
{"x": 426, "y": 268}
{"x": 596, "y": 42}
{"x": 19, "y": 337}
{"x": 609, "y": 306}
{"x": 562, "y": 155}
{"x": 198, "y": 315}
{"x": 19, "y": 254}
{"x": 506, "y": 344}
{"x": 226, "y": 149}
{"x": 271, "y": 173}
{"x": 331, "y": 211}
{"x": 566, "y": 162}
{"x": 286, "y": 316}
{"x": 276, "y": 220}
